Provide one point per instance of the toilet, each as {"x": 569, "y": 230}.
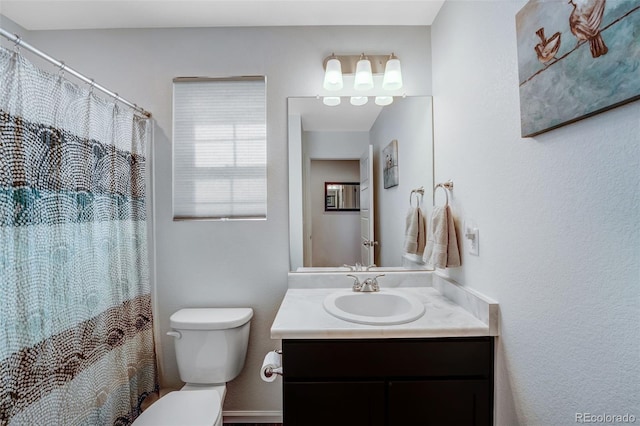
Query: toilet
{"x": 211, "y": 347}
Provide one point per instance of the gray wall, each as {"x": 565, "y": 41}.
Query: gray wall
{"x": 227, "y": 263}
{"x": 330, "y": 145}
{"x": 335, "y": 235}
{"x": 559, "y": 220}
{"x": 409, "y": 122}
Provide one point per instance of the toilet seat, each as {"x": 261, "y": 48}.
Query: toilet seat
{"x": 184, "y": 408}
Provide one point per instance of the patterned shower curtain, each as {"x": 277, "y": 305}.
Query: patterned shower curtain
{"x": 76, "y": 342}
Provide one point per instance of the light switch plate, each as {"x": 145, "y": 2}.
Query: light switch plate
{"x": 473, "y": 244}
{"x": 471, "y": 237}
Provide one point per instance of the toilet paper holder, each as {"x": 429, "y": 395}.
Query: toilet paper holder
{"x": 269, "y": 371}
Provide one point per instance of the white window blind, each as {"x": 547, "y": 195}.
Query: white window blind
{"x": 219, "y": 148}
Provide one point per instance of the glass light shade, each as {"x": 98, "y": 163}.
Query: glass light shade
{"x": 384, "y": 100}
{"x": 392, "y": 79}
{"x": 359, "y": 100}
{"x": 333, "y": 75}
{"x": 331, "y": 100}
{"x": 364, "y": 78}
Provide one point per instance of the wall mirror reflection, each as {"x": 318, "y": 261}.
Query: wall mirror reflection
{"x": 342, "y": 196}
{"x": 344, "y": 144}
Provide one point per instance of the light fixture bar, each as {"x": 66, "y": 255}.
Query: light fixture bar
{"x": 348, "y": 62}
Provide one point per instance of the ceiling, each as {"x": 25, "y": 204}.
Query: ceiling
{"x": 345, "y": 117}
{"x": 95, "y": 14}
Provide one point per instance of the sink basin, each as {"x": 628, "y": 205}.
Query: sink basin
{"x": 386, "y": 307}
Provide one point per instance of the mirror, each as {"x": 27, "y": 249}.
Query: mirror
{"x": 341, "y": 196}
{"x": 325, "y": 145}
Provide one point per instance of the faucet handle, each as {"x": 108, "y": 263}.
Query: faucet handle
{"x": 356, "y": 283}
{"x": 376, "y": 286}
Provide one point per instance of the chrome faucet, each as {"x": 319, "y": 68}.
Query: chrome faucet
{"x": 369, "y": 285}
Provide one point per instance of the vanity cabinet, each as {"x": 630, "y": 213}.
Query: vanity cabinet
{"x": 392, "y": 382}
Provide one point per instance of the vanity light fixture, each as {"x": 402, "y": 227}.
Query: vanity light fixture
{"x": 384, "y": 100}
{"x": 331, "y": 100}
{"x": 333, "y": 74}
{"x": 364, "y": 76}
{"x": 359, "y": 100}
{"x": 392, "y": 79}
{"x": 362, "y": 68}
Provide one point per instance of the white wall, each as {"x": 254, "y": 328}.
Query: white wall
{"x": 558, "y": 216}
{"x": 409, "y": 122}
{"x": 227, "y": 263}
{"x": 335, "y": 235}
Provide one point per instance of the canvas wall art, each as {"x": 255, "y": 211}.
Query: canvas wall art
{"x": 390, "y": 169}
{"x": 576, "y": 58}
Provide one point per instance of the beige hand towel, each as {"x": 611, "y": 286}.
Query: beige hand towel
{"x": 415, "y": 232}
{"x": 422, "y": 232}
{"x": 441, "y": 250}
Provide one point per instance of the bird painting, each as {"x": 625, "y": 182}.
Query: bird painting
{"x": 585, "y": 23}
{"x": 548, "y": 47}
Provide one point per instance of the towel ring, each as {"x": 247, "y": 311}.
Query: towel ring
{"x": 446, "y": 186}
{"x": 419, "y": 194}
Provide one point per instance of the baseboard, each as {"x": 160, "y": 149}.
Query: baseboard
{"x": 252, "y": 416}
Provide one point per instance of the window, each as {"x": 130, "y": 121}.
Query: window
{"x": 219, "y": 148}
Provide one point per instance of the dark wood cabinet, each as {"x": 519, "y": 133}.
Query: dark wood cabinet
{"x": 439, "y": 402}
{"x": 335, "y": 403}
{"x": 393, "y": 382}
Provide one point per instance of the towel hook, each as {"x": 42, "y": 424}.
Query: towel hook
{"x": 446, "y": 186}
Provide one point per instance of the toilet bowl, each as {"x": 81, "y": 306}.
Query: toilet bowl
{"x": 211, "y": 347}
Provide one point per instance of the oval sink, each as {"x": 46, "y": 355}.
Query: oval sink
{"x": 386, "y": 307}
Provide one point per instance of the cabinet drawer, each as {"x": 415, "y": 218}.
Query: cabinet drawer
{"x": 469, "y": 357}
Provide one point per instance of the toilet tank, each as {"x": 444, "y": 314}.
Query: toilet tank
{"x": 210, "y": 343}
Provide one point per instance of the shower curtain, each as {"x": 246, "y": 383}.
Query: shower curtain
{"x": 76, "y": 342}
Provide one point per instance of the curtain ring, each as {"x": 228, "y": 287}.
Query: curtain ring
{"x": 17, "y": 43}
{"x": 92, "y": 84}
{"x": 61, "y": 69}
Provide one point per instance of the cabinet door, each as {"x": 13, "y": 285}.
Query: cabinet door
{"x": 334, "y": 404}
{"x": 440, "y": 402}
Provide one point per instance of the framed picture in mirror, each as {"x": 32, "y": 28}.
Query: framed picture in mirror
{"x": 390, "y": 171}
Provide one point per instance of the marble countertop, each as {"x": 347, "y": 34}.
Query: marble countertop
{"x": 302, "y": 316}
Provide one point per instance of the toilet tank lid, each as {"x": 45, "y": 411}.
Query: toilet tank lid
{"x": 210, "y": 318}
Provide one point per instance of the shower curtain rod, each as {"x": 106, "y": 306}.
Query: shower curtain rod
{"x": 20, "y": 43}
